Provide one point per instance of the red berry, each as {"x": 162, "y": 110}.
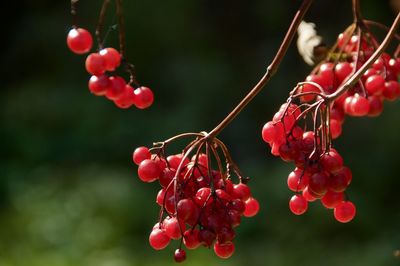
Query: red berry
{"x": 391, "y": 90}
{"x": 375, "y": 106}
{"x": 269, "y": 132}
{"x": 172, "y": 228}
{"x": 342, "y": 71}
{"x": 166, "y": 176}
{"x": 298, "y": 204}
{"x": 95, "y": 64}
{"x": 140, "y": 154}
{"x": 179, "y": 255}
{"x": 207, "y": 237}
{"x": 185, "y": 209}
{"x": 238, "y": 205}
{"x": 331, "y": 199}
{"x": 344, "y": 211}
{"x": 308, "y": 88}
{"x": 203, "y": 197}
{"x": 336, "y": 128}
{"x": 126, "y": 99}
{"x": 98, "y": 85}
{"x": 158, "y": 239}
{"x": 111, "y": 57}
{"x": 144, "y": 97}
{"x": 191, "y": 238}
{"x": 149, "y": 170}
{"x": 331, "y": 161}
{"x": 359, "y": 106}
{"x": 175, "y": 160}
{"x": 252, "y": 207}
{"x": 224, "y": 250}
{"x": 297, "y": 180}
{"x": 318, "y": 184}
{"x": 306, "y": 194}
{"x": 79, "y": 41}
{"x": 117, "y": 88}
{"x": 375, "y": 84}
{"x": 241, "y": 191}
{"x": 225, "y": 234}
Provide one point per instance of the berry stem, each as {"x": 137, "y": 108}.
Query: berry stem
{"x": 100, "y": 23}
{"x": 380, "y": 26}
{"x": 74, "y": 12}
{"x": 357, "y": 12}
{"x": 271, "y": 69}
{"x": 357, "y": 75}
{"x": 121, "y": 28}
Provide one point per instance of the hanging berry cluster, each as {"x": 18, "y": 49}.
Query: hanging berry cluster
{"x": 200, "y": 204}
{"x": 302, "y": 133}
{"x": 104, "y": 63}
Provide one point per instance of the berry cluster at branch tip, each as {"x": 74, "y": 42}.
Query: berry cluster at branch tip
{"x": 200, "y": 206}
{"x": 303, "y": 129}
{"x": 102, "y": 66}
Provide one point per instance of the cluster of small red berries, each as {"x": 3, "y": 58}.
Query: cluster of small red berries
{"x": 201, "y": 206}
{"x": 318, "y": 175}
{"x": 379, "y": 83}
{"x": 113, "y": 87}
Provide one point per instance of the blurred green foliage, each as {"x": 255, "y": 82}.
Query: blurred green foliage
{"x": 69, "y": 194}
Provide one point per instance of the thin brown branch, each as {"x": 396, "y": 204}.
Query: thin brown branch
{"x": 357, "y": 12}
{"x": 100, "y": 23}
{"x": 271, "y": 69}
{"x": 356, "y": 76}
{"x": 121, "y": 28}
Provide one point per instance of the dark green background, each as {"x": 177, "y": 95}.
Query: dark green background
{"x": 69, "y": 194}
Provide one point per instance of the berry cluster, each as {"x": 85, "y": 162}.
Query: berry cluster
{"x": 320, "y": 173}
{"x": 199, "y": 205}
{"x": 379, "y": 82}
{"x": 113, "y": 87}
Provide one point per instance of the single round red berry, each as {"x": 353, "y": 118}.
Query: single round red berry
{"x": 191, "y": 238}
{"x": 158, "y": 239}
{"x": 185, "y": 209}
{"x": 252, "y": 207}
{"x": 342, "y": 71}
{"x": 95, "y": 64}
{"x": 375, "y": 84}
{"x": 117, "y": 88}
{"x": 112, "y": 58}
{"x": 144, "y": 97}
{"x": 318, "y": 184}
{"x": 79, "y": 40}
{"x": 98, "y": 85}
{"x": 149, "y": 170}
{"x": 224, "y": 250}
{"x": 203, "y": 197}
{"x": 297, "y": 180}
{"x": 241, "y": 191}
{"x": 298, "y": 204}
{"x": 126, "y": 99}
{"x": 172, "y": 228}
{"x": 140, "y": 154}
{"x": 331, "y": 199}
{"x": 345, "y": 211}
{"x": 179, "y": 255}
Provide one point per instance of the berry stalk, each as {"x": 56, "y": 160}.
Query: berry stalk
{"x": 358, "y": 74}
{"x": 271, "y": 69}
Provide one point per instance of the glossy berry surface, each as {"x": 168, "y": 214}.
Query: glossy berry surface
{"x": 224, "y": 250}
{"x": 345, "y": 211}
{"x": 298, "y": 204}
{"x": 79, "y": 40}
{"x": 179, "y": 255}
